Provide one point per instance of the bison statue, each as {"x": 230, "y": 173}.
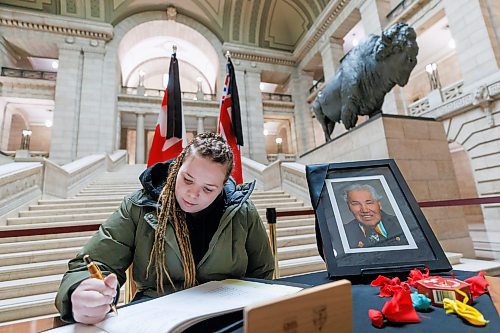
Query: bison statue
{"x": 366, "y": 74}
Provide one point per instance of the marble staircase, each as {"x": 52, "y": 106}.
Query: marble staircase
{"x": 31, "y": 267}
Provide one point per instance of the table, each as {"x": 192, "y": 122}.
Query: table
{"x": 364, "y": 297}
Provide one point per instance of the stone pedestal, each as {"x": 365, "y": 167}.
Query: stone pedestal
{"x": 420, "y": 149}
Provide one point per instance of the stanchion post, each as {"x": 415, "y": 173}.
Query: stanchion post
{"x": 271, "y": 220}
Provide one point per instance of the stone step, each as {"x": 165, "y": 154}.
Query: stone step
{"x": 494, "y": 226}
{"x": 307, "y": 219}
{"x": 485, "y": 236}
{"x": 27, "y": 307}
{"x": 48, "y": 237}
{"x": 491, "y": 268}
{"x": 268, "y": 195}
{"x": 301, "y": 230}
{"x": 273, "y": 192}
{"x": 453, "y": 258}
{"x": 67, "y": 211}
{"x": 296, "y": 240}
{"x": 80, "y": 200}
{"x": 36, "y": 269}
{"x": 30, "y": 286}
{"x": 281, "y": 205}
{"x": 297, "y": 251}
{"x": 301, "y": 266}
{"x": 100, "y": 194}
{"x": 19, "y": 258}
{"x": 115, "y": 203}
{"x": 260, "y": 201}
{"x": 132, "y": 187}
{"x": 57, "y": 218}
{"x": 110, "y": 190}
{"x": 487, "y": 255}
{"x": 298, "y": 222}
{"x": 262, "y": 211}
{"x": 487, "y": 246}
{"x": 45, "y": 244}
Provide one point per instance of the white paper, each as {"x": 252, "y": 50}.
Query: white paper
{"x": 177, "y": 311}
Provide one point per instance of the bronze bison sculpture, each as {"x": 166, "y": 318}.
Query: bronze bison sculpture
{"x": 365, "y": 75}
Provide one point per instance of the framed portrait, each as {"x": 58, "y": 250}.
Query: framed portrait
{"x": 369, "y": 222}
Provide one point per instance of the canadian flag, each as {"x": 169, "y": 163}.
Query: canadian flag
{"x": 170, "y": 132}
{"x": 229, "y": 126}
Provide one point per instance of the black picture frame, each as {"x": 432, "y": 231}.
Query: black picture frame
{"x": 404, "y": 239}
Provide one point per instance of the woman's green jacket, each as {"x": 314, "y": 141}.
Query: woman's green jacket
{"x": 239, "y": 247}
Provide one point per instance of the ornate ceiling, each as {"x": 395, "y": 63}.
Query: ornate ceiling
{"x": 275, "y": 24}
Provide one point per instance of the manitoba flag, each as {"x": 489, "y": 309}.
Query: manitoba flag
{"x": 170, "y": 133}
{"x": 229, "y": 126}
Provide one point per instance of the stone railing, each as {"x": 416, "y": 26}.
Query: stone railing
{"x": 448, "y": 93}
{"x": 20, "y": 183}
{"x": 147, "y": 92}
{"x": 419, "y": 107}
{"x": 66, "y": 181}
{"x": 283, "y": 157}
{"x": 452, "y": 91}
{"x": 267, "y": 176}
{"x": 29, "y": 74}
{"x": 116, "y": 160}
{"x": 23, "y": 182}
{"x": 27, "y": 87}
{"x": 290, "y": 177}
{"x": 475, "y": 96}
{"x": 276, "y": 97}
{"x": 294, "y": 181}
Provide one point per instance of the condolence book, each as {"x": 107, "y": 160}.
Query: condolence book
{"x": 178, "y": 311}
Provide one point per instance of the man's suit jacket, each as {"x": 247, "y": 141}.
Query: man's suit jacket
{"x": 395, "y": 235}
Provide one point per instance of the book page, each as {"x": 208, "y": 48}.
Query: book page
{"x": 177, "y": 311}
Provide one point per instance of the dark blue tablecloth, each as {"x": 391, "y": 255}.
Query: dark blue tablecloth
{"x": 365, "y": 297}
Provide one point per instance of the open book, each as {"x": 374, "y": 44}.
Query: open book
{"x": 178, "y": 311}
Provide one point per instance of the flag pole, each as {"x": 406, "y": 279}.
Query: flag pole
{"x": 228, "y": 55}
{"x": 174, "y": 49}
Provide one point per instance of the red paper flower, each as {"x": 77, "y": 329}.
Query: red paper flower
{"x": 398, "y": 309}
{"x": 478, "y": 284}
{"x": 417, "y": 275}
{"x": 386, "y": 285}
{"x": 376, "y": 317}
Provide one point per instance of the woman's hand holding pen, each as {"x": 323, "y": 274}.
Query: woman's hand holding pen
{"x": 92, "y": 298}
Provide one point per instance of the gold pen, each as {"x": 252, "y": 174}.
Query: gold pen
{"x": 96, "y": 273}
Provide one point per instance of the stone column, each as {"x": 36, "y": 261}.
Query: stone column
{"x": 477, "y": 48}
{"x": 301, "y": 81}
{"x": 111, "y": 83}
{"x": 373, "y": 15}
{"x": 252, "y": 113}
{"x": 90, "y": 105}
{"x": 139, "y": 139}
{"x": 332, "y": 51}
{"x": 63, "y": 146}
{"x": 200, "y": 126}
{"x": 4, "y": 125}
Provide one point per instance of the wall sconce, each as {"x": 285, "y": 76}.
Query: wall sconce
{"x": 432, "y": 74}
{"x": 25, "y": 141}
{"x": 279, "y": 141}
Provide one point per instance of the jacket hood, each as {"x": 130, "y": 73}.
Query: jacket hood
{"x": 153, "y": 180}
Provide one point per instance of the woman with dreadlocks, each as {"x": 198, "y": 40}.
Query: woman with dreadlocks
{"x": 188, "y": 225}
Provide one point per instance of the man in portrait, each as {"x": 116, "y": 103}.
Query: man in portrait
{"x": 371, "y": 226}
